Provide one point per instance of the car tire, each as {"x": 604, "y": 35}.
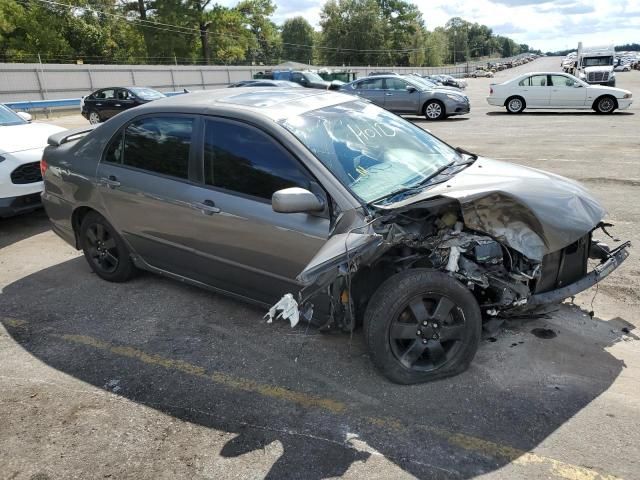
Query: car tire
{"x": 605, "y": 105}
{"x": 94, "y": 117}
{"x": 515, "y": 104}
{"x": 434, "y": 110}
{"x": 104, "y": 249}
{"x": 402, "y": 347}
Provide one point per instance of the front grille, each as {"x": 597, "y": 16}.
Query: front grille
{"x": 597, "y": 76}
{"x": 27, "y": 173}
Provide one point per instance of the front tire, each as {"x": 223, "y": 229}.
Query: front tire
{"x": 422, "y": 325}
{"x": 104, "y": 250}
{"x": 605, "y": 105}
{"x": 515, "y": 105}
{"x": 434, "y": 110}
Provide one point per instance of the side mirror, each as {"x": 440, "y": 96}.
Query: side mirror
{"x": 576, "y": 85}
{"x": 411, "y": 88}
{"x": 295, "y": 200}
{"x": 25, "y": 116}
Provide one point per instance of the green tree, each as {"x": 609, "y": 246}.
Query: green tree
{"x": 295, "y": 32}
{"x": 353, "y": 32}
{"x": 266, "y": 44}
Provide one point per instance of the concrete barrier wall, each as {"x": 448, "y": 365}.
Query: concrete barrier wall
{"x": 29, "y": 81}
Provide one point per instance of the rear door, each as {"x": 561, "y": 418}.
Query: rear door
{"x": 371, "y": 89}
{"x": 145, "y": 181}
{"x": 243, "y": 245}
{"x": 564, "y": 93}
{"x": 398, "y": 99}
{"x": 535, "y": 90}
{"x": 105, "y": 103}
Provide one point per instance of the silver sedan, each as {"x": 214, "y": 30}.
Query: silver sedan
{"x": 408, "y": 95}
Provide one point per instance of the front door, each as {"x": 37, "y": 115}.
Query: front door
{"x": 398, "y": 99}
{"x": 564, "y": 93}
{"x": 243, "y": 245}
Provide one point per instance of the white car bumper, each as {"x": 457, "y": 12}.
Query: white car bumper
{"x": 624, "y": 103}
{"x": 496, "y": 102}
{"x": 20, "y": 183}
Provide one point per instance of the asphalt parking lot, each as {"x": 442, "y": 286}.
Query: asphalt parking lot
{"x": 155, "y": 379}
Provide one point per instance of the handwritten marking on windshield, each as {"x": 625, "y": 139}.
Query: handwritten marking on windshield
{"x": 375, "y": 131}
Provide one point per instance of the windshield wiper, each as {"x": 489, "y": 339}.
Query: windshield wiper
{"x": 416, "y": 187}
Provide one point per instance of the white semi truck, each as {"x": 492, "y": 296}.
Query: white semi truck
{"x": 595, "y": 65}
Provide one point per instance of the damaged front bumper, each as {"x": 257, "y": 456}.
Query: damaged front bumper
{"x": 599, "y": 273}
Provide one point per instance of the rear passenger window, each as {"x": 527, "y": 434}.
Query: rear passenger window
{"x": 242, "y": 159}
{"x": 156, "y": 144}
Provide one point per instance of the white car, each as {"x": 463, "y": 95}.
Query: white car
{"x": 552, "y": 90}
{"x": 481, "y": 73}
{"x": 21, "y": 146}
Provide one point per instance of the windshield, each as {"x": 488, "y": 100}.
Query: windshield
{"x": 147, "y": 93}
{"x": 373, "y": 152}
{"x": 313, "y": 77}
{"x": 9, "y": 117}
{"x": 597, "y": 61}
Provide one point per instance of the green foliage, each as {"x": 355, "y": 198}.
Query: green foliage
{"x": 295, "y": 32}
{"x": 353, "y": 32}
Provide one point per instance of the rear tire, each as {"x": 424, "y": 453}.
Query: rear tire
{"x": 94, "y": 117}
{"x": 605, "y": 105}
{"x": 515, "y": 105}
{"x": 434, "y": 110}
{"x": 104, "y": 249}
{"x": 422, "y": 325}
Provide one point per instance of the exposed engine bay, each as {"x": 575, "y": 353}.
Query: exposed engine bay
{"x": 432, "y": 234}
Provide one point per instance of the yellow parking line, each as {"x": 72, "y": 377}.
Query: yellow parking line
{"x": 246, "y": 385}
{"x": 466, "y": 442}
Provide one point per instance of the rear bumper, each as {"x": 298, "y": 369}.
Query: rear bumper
{"x": 22, "y": 204}
{"x": 615, "y": 259}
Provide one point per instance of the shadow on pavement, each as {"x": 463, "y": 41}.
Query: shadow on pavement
{"x": 20, "y": 227}
{"x": 198, "y": 357}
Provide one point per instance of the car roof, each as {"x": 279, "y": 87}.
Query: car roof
{"x": 276, "y": 103}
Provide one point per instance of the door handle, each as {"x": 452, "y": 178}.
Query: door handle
{"x": 118, "y": 105}
{"x": 111, "y": 182}
{"x": 388, "y": 94}
{"x": 207, "y": 207}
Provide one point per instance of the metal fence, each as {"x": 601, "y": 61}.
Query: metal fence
{"x": 33, "y": 81}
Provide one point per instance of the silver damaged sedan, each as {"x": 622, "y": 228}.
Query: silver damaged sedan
{"x": 335, "y": 210}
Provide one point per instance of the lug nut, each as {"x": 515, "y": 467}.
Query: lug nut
{"x": 424, "y": 340}
{"x": 435, "y": 325}
{"x": 425, "y": 323}
{"x": 419, "y": 332}
{"x": 435, "y": 336}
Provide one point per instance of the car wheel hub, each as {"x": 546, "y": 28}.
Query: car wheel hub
{"x": 433, "y": 110}
{"x": 606, "y": 105}
{"x": 515, "y": 105}
{"x": 426, "y": 333}
{"x": 94, "y": 118}
{"x": 102, "y": 248}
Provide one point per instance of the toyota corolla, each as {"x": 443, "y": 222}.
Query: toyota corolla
{"x": 331, "y": 210}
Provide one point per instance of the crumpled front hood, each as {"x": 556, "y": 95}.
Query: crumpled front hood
{"x": 17, "y": 138}
{"x": 532, "y": 211}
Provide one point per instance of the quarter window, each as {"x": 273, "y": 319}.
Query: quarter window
{"x": 525, "y": 82}
{"x": 157, "y": 144}
{"x": 242, "y": 159}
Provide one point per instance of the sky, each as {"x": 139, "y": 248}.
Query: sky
{"x": 548, "y": 25}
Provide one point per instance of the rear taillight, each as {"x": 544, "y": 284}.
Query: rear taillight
{"x": 43, "y": 166}
{"x": 490, "y": 90}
